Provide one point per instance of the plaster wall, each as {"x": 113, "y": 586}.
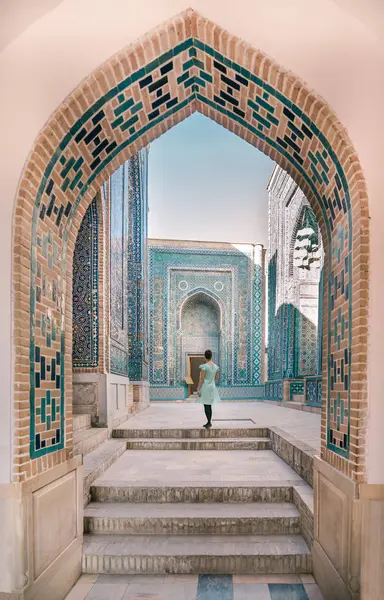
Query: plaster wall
{"x": 323, "y": 42}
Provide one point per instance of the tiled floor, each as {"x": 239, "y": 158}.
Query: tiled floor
{"x": 301, "y": 425}
{"x": 194, "y": 587}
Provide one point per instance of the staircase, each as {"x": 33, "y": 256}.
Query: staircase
{"x": 85, "y": 437}
{"x": 99, "y": 452}
{"x": 135, "y": 525}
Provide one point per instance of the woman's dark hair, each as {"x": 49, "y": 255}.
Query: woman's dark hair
{"x": 208, "y": 354}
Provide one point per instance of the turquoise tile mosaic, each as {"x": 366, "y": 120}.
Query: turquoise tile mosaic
{"x": 114, "y": 123}
{"x": 128, "y": 223}
{"x": 225, "y": 281}
{"x": 296, "y": 389}
{"x": 85, "y": 292}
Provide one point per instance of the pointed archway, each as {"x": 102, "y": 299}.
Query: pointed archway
{"x": 189, "y": 64}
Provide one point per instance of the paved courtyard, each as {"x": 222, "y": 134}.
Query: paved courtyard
{"x": 302, "y": 425}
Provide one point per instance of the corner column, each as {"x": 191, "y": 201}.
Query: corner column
{"x": 138, "y": 288}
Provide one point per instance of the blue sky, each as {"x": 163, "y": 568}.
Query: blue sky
{"x": 205, "y": 183}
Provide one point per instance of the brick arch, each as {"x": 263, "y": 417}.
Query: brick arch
{"x": 187, "y": 64}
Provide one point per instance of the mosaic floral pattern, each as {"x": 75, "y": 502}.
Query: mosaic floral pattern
{"x": 313, "y": 391}
{"x": 296, "y": 388}
{"x": 274, "y": 390}
{"x": 128, "y": 207}
{"x": 192, "y": 73}
{"x": 119, "y": 270}
{"x": 138, "y": 267}
{"x": 85, "y": 292}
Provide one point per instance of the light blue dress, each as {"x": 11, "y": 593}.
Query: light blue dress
{"x": 209, "y": 393}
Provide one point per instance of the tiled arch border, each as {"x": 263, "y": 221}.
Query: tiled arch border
{"x": 332, "y": 181}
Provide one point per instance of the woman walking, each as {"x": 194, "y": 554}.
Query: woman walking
{"x": 207, "y": 390}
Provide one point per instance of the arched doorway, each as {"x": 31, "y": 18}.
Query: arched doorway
{"x": 200, "y": 331}
{"x": 133, "y": 99}
{"x": 187, "y": 65}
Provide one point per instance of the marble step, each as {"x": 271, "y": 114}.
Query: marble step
{"x": 87, "y": 440}
{"x": 81, "y": 422}
{"x": 199, "y": 444}
{"x": 121, "y": 492}
{"x": 160, "y": 554}
{"x": 257, "y": 432}
{"x": 192, "y": 519}
{"x": 95, "y": 463}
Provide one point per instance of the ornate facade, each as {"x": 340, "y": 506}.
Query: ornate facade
{"x": 110, "y": 348}
{"x": 295, "y": 292}
{"x": 206, "y": 295}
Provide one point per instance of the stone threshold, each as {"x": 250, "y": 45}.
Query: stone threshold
{"x": 295, "y": 453}
{"x": 294, "y": 406}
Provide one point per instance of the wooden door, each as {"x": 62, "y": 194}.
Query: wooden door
{"x": 194, "y": 364}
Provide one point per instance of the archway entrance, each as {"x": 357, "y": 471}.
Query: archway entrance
{"x": 133, "y": 99}
{"x": 200, "y": 331}
{"x": 188, "y": 65}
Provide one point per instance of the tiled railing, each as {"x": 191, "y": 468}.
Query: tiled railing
{"x": 313, "y": 391}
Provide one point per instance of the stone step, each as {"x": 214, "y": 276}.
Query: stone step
{"x": 158, "y": 554}
{"x": 199, "y": 444}
{"x": 257, "y": 432}
{"x": 192, "y": 519}
{"x": 87, "y": 440}
{"x": 121, "y": 492}
{"x": 81, "y": 422}
{"x": 95, "y": 463}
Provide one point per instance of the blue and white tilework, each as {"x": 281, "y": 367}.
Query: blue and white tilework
{"x": 85, "y": 292}
{"x": 221, "y": 279}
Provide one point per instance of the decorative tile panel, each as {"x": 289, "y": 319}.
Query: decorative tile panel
{"x": 138, "y": 267}
{"x": 313, "y": 391}
{"x": 296, "y": 388}
{"x": 85, "y": 292}
{"x": 274, "y": 390}
{"x": 119, "y": 267}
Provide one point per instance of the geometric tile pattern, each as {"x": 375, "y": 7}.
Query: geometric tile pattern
{"x": 191, "y": 74}
{"x": 296, "y": 388}
{"x": 238, "y": 392}
{"x": 137, "y": 269}
{"x": 274, "y": 390}
{"x": 128, "y": 263}
{"x": 85, "y": 299}
{"x": 313, "y": 391}
{"x": 258, "y": 318}
{"x": 118, "y": 268}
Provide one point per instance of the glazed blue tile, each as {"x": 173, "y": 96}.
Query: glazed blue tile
{"x": 287, "y": 591}
{"x": 215, "y": 587}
